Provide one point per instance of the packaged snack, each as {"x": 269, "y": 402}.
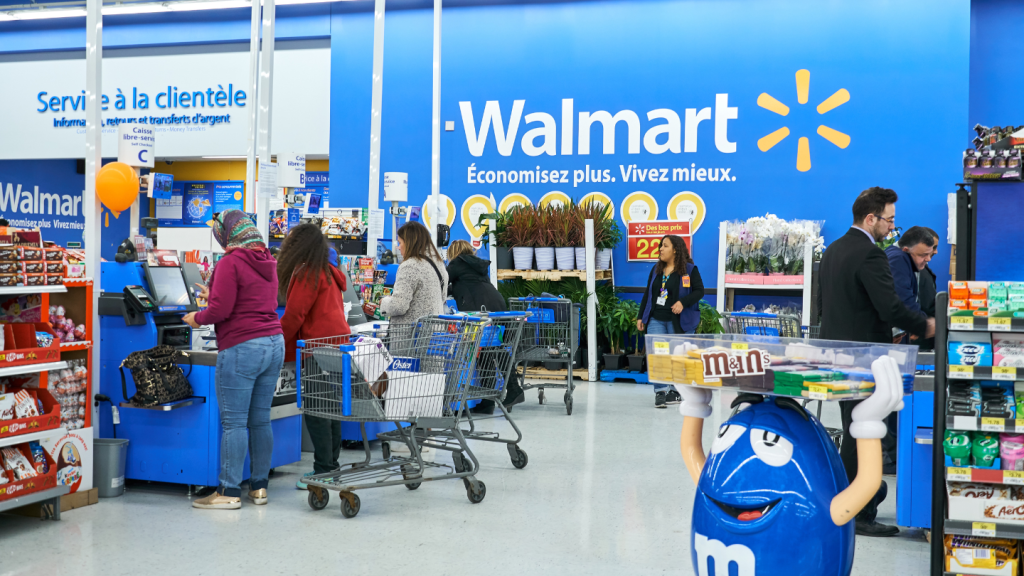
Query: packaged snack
{"x": 53, "y": 254}
{"x": 79, "y": 332}
{"x": 7, "y": 406}
{"x": 1011, "y": 451}
{"x": 970, "y": 160}
{"x": 11, "y": 279}
{"x": 10, "y": 267}
{"x": 54, "y": 279}
{"x": 16, "y": 462}
{"x": 39, "y": 458}
{"x": 31, "y": 253}
{"x": 24, "y": 405}
{"x": 54, "y": 267}
{"x": 34, "y": 279}
{"x": 984, "y": 450}
{"x": 33, "y": 267}
{"x": 44, "y": 339}
{"x": 10, "y": 253}
{"x": 957, "y": 447}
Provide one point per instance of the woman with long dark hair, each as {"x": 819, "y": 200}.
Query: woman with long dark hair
{"x": 671, "y": 302}
{"x": 314, "y": 308}
{"x": 421, "y": 283}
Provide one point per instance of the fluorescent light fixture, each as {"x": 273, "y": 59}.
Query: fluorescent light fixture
{"x": 224, "y": 157}
{"x": 209, "y": 5}
{"x": 142, "y": 8}
{"x": 133, "y": 9}
{"x": 41, "y": 13}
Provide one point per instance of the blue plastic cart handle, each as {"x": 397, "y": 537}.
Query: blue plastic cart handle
{"x": 470, "y": 318}
{"x": 505, "y": 314}
{"x": 544, "y": 299}
{"x": 298, "y": 375}
{"x": 346, "y": 380}
{"x": 755, "y": 314}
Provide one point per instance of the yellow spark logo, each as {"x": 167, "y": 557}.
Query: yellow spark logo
{"x": 803, "y": 150}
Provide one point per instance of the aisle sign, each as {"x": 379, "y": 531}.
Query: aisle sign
{"x": 643, "y": 239}
{"x": 291, "y": 170}
{"x": 135, "y": 145}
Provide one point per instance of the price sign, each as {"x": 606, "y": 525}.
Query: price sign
{"x": 1004, "y": 373}
{"x": 983, "y": 529}
{"x": 958, "y": 474}
{"x": 662, "y": 348}
{"x": 957, "y": 371}
{"x": 1013, "y": 477}
{"x": 740, "y": 346}
{"x": 1018, "y": 425}
{"x": 643, "y": 239}
{"x": 992, "y": 424}
{"x": 961, "y": 322}
{"x": 999, "y": 324}
{"x": 817, "y": 392}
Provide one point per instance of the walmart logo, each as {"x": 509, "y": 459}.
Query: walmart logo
{"x": 803, "y": 150}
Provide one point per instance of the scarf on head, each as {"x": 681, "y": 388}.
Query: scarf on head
{"x": 234, "y": 229}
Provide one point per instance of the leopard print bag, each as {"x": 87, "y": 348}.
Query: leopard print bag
{"x": 158, "y": 377}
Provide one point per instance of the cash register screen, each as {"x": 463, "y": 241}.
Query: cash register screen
{"x": 168, "y": 288}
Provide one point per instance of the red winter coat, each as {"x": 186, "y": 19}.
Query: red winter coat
{"x": 313, "y": 312}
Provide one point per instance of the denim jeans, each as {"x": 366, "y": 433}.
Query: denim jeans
{"x": 661, "y": 327}
{"x": 246, "y": 377}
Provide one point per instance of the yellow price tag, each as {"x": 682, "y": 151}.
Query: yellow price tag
{"x": 1004, "y": 373}
{"x": 958, "y": 371}
{"x": 992, "y": 424}
{"x": 739, "y": 346}
{"x": 983, "y": 529}
{"x": 999, "y": 324}
{"x": 962, "y": 322}
{"x": 817, "y": 392}
{"x": 1018, "y": 425}
{"x": 662, "y": 348}
{"x": 958, "y": 474}
{"x": 1013, "y": 477}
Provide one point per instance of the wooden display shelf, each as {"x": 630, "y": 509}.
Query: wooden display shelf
{"x": 552, "y": 274}
{"x": 984, "y": 475}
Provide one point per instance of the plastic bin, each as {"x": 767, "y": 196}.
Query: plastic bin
{"x": 111, "y": 454}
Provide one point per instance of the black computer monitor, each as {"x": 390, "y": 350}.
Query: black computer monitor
{"x": 167, "y": 285}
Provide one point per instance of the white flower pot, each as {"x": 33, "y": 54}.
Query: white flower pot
{"x": 545, "y": 258}
{"x": 581, "y": 258}
{"x": 604, "y": 259}
{"x": 523, "y": 257}
{"x": 566, "y": 258}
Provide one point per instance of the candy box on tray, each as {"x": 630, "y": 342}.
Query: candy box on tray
{"x": 986, "y": 502}
{"x": 14, "y": 488}
{"x": 48, "y": 420}
{"x": 21, "y": 344}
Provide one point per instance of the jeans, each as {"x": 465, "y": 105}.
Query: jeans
{"x": 661, "y": 327}
{"x": 326, "y": 437}
{"x": 246, "y": 377}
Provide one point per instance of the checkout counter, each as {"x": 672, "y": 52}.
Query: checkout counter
{"x": 178, "y": 442}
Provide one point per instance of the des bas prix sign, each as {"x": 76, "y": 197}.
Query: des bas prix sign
{"x": 643, "y": 239}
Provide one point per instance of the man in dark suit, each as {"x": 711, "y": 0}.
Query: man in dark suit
{"x": 858, "y": 302}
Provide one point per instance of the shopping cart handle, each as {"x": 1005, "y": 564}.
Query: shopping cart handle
{"x": 755, "y": 314}
{"x": 543, "y": 299}
{"x": 347, "y": 348}
{"x": 298, "y": 375}
{"x": 506, "y": 314}
{"x": 301, "y": 343}
{"x": 453, "y": 317}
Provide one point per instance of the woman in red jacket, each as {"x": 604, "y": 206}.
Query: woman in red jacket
{"x": 312, "y": 287}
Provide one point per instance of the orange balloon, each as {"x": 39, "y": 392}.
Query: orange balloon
{"x": 117, "y": 186}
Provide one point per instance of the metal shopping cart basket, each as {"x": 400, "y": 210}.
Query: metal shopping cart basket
{"x": 494, "y": 367}
{"x": 551, "y": 335}
{"x": 784, "y": 326}
{"x": 416, "y": 374}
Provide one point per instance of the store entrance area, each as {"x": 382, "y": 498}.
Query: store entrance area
{"x": 605, "y": 492}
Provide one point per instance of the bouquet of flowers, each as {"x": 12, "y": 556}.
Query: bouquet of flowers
{"x": 770, "y": 245}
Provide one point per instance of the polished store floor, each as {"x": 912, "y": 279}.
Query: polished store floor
{"x": 605, "y": 492}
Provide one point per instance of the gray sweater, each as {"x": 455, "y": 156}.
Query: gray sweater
{"x": 417, "y": 292}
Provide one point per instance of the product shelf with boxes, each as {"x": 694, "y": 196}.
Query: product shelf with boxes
{"x": 978, "y": 491}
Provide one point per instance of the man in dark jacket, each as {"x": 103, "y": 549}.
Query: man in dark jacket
{"x": 858, "y": 302}
{"x": 907, "y": 259}
{"x": 927, "y": 289}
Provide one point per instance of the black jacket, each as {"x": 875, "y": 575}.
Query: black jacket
{"x": 856, "y": 295}
{"x": 904, "y": 277}
{"x": 470, "y": 285}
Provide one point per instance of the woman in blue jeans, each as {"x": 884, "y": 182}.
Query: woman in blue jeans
{"x": 671, "y": 302}
{"x": 243, "y": 310}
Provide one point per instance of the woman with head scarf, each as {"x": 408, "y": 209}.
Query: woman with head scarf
{"x": 242, "y": 296}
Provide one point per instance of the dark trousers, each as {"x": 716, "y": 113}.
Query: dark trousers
{"x": 849, "y": 455}
{"x": 326, "y": 436}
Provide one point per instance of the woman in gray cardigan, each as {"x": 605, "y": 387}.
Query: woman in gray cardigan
{"x": 421, "y": 282}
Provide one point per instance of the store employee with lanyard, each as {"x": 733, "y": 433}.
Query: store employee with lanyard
{"x": 671, "y": 302}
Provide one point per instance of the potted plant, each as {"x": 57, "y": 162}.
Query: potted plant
{"x": 544, "y": 250}
{"x": 560, "y": 221}
{"x": 503, "y": 255}
{"x": 597, "y": 212}
{"x": 611, "y": 235}
{"x": 521, "y": 233}
{"x": 710, "y": 320}
{"x": 614, "y": 323}
{"x": 638, "y": 359}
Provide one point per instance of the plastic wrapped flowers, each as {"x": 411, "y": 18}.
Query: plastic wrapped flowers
{"x": 770, "y": 245}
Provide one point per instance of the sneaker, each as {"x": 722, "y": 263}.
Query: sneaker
{"x": 514, "y": 394}
{"x": 673, "y": 397}
{"x": 258, "y": 497}
{"x": 659, "y": 400}
{"x": 216, "y": 501}
{"x": 302, "y": 485}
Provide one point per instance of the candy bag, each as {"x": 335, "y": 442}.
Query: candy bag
{"x": 24, "y": 405}
{"x": 39, "y": 458}
{"x": 16, "y": 462}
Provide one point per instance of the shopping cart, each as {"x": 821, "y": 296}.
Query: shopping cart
{"x": 493, "y": 370}
{"x": 551, "y": 335}
{"x": 416, "y": 374}
{"x": 781, "y": 325}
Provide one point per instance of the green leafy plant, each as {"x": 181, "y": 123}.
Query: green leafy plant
{"x": 616, "y": 322}
{"x": 521, "y": 227}
{"x": 500, "y": 228}
{"x": 710, "y": 320}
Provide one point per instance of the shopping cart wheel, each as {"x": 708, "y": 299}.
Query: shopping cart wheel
{"x": 405, "y": 476}
{"x": 568, "y": 404}
{"x": 318, "y": 498}
{"x": 349, "y": 504}
{"x": 519, "y": 458}
{"x": 385, "y": 450}
{"x": 476, "y": 492}
{"x": 540, "y": 395}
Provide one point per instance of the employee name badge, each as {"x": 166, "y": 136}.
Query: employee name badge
{"x": 686, "y": 281}
{"x": 663, "y": 297}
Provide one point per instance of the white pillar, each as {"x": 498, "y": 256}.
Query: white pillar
{"x": 266, "y": 99}
{"x": 93, "y": 160}
{"x": 375, "y": 110}
{"x": 435, "y": 136}
{"x": 492, "y": 248}
{"x": 254, "y": 75}
{"x": 591, "y": 302}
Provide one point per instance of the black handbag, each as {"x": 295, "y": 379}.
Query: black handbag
{"x": 158, "y": 377}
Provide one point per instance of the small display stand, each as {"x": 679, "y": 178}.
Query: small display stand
{"x": 773, "y": 366}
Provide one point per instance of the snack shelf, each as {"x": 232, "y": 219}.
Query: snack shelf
{"x": 805, "y": 395}
{"x": 75, "y": 282}
{"x": 984, "y": 475}
{"x": 989, "y": 529}
{"x": 972, "y": 424}
{"x": 17, "y": 290}
{"x": 72, "y": 346}
{"x": 1007, "y": 373}
{"x": 32, "y": 436}
{"x": 32, "y": 368}
{"x": 552, "y": 274}
{"x": 51, "y": 494}
{"x": 986, "y": 324}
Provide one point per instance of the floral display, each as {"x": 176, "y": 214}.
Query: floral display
{"x": 770, "y": 245}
